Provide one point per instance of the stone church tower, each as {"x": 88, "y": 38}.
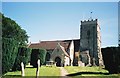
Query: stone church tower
{"x": 90, "y": 41}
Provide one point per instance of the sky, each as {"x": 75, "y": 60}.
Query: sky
{"x": 61, "y": 20}
{"x": 59, "y": 0}
{"x": 119, "y": 23}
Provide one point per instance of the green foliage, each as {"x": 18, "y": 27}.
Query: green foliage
{"x": 9, "y": 53}
{"x": 13, "y": 36}
{"x": 33, "y": 60}
{"x": 22, "y": 56}
{"x": 38, "y": 54}
{"x": 10, "y": 29}
{"x": 111, "y": 57}
{"x": 42, "y": 55}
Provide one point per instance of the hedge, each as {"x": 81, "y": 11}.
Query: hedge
{"x": 38, "y": 54}
{"x": 9, "y": 53}
{"x": 111, "y": 57}
{"x": 22, "y": 56}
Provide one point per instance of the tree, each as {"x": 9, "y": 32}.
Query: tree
{"x": 13, "y": 36}
{"x": 10, "y": 29}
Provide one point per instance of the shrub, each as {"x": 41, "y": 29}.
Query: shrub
{"x": 42, "y": 55}
{"x": 33, "y": 60}
{"x": 111, "y": 57}
{"x": 37, "y": 54}
{"x": 22, "y": 56}
{"x": 9, "y": 53}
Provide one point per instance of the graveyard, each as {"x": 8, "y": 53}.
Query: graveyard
{"x": 74, "y": 72}
{"x": 79, "y": 57}
{"x": 44, "y": 71}
{"x": 25, "y": 61}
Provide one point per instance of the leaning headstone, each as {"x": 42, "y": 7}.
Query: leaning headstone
{"x": 22, "y": 69}
{"x": 81, "y": 64}
{"x": 94, "y": 62}
{"x": 38, "y": 65}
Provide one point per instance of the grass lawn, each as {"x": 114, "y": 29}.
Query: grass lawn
{"x": 74, "y": 72}
{"x": 89, "y": 72}
{"x": 44, "y": 71}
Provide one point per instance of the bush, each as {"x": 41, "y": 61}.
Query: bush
{"x": 9, "y": 53}
{"x": 38, "y": 54}
{"x": 22, "y": 56}
{"x": 33, "y": 60}
{"x": 111, "y": 57}
{"x": 42, "y": 55}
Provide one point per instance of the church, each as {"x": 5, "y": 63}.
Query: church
{"x": 85, "y": 51}
{"x": 63, "y": 52}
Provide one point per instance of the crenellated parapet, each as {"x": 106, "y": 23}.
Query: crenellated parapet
{"x": 92, "y": 21}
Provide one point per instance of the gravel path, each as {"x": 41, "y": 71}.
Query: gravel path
{"x": 63, "y": 72}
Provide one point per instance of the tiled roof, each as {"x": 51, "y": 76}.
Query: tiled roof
{"x": 50, "y": 45}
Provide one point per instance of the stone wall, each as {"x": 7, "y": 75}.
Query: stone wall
{"x": 57, "y": 53}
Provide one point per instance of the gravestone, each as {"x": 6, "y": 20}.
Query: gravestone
{"x": 94, "y": 62}
{"x": 38, "y": 66}
{"x": 80, "y": 63}
{"x": 22, "y": 69}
